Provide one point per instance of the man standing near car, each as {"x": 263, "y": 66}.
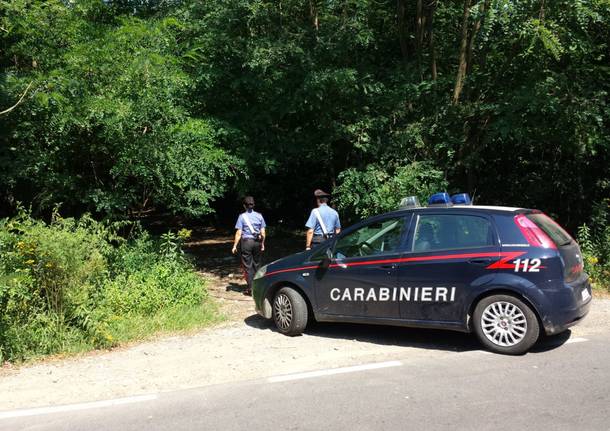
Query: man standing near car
{"x": 323, "y": 222}
{"x": 249, "y": 240}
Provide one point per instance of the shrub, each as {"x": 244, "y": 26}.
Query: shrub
{"x": 594, "y": 240}
{"x": 71, "y": 285}
{"x": 380, "y": 189}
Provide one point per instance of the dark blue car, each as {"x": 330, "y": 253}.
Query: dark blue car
{"x": 505, "y": 273}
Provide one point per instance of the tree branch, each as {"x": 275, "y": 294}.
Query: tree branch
{"x": 6, "y": 111}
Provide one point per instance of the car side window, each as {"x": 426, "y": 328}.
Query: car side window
{"x": 451, "y": 231}
{"x": 320, "y": 254}
{"x": 380, "y": 237}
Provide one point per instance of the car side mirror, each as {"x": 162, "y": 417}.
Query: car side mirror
{"x": 328, "y": 257}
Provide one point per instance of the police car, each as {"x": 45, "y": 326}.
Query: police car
{"x": 506, "y": 274}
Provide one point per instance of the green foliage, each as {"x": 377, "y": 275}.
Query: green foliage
{"x": 377, "y": 189}
{"x": 74, "y": 284}
{"x": 107, "y": 127}
{"x": 173, "y": 105}
{"x": 594, "y": 241}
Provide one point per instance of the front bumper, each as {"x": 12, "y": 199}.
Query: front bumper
{"x": 262, "y": 303}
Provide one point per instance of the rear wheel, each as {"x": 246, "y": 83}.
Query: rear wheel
{"x": 289, "y": 311}
{"x": 505, "y": 324}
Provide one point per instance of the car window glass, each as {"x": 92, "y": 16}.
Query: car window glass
{"x": 381, "y": 237}
{"x": 551, "y": 228}
{"x": 450, "y": 231}
{"x": 320, "y": 254}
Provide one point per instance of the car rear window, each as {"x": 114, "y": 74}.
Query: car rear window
{"x": 559, "y": 236}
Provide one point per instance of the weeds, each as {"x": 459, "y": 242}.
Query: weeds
{"x": 594, "y": 241}
{"x": 73, "y": 285}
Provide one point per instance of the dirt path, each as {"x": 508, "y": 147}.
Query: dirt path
{"x": 246, "y": 347}
{"x": 222, "y": 271}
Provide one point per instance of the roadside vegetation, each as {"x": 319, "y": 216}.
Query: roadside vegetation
{"x": 122, "y": 108}
{"x": 594, "y": 240}
{"x": 74, "y": 284}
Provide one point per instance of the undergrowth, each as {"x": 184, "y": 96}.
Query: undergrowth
{"x": 74, "y": 285}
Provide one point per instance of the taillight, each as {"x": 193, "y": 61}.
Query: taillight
{"x": 532, "y": 233}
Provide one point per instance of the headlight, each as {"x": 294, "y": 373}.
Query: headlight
{"x": 261, "y": 272}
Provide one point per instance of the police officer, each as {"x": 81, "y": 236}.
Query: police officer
{"x": 249, "y": 240}
{"x": 323, "y": 222}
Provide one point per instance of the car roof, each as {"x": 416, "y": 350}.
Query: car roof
{"x": 489, "y": 207}
{"x": 470, "y": 208}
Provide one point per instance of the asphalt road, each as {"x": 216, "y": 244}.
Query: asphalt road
{"x": 564, "y": 384}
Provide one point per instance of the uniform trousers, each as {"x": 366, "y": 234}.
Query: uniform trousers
{"x": 250, "y": 254}
{"x": 318, "y": 239}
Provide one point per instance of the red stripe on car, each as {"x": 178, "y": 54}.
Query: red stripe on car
{"x": 503, "y": 263}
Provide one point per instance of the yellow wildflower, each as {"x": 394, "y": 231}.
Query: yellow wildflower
{"x": 29, "y": 261}
{"x": 184, "y": 233}
{"x": 593, "y": 260}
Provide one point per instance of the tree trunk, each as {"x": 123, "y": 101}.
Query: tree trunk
{"x": 461, "y": 75}
{"x": 419, "y": 32}
{"x": 313, "y": 12}
{"x": 431, "y": 35}
{"x": 483, "y": 8}
{"x": 401, "y": 12}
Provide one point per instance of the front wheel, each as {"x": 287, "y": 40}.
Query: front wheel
{"x": 505, "y": 324}
{"x": 289, "y": 311}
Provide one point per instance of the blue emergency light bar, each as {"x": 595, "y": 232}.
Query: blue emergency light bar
{"x": 439, "y": 199}
{"x": 461, "y": 199}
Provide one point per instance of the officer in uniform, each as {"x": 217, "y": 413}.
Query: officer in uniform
{"x": 249, "y": 240}
{"x": 323, "y": 222}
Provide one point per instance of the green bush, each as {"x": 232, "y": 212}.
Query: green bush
{"x": 594, "y": 240}
{"x": 378, "y": 189}
{"x": 72, "y": 285}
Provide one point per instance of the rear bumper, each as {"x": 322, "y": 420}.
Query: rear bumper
{"x": 569, "y": 306}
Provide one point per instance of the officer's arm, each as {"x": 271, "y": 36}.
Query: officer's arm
{"x": 309, "y": 238}
{"x": 236, "y": 241}
{"x": 263, "y": 236}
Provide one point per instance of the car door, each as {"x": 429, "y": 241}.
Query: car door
{"x": 448, "y": 256}
{"x": 361, "y": 277}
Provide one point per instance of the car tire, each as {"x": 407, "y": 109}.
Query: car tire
{"x": 505, "y": 324}
{"x": 290, "y": 312}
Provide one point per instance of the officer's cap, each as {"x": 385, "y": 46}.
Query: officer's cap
{"x": 321, "y": 194}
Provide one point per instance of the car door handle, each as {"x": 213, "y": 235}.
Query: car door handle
{"x": 391, "y": 266}
{"x": 480, "y": 261}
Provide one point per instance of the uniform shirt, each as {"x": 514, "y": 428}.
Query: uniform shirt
{"x": 256, "y": 220}
{"x": 330, "y": 218}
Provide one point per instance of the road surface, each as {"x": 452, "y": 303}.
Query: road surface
{"x": 563, "y": 384}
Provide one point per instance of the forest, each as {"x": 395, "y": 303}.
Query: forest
{"x": 119, "y": 108}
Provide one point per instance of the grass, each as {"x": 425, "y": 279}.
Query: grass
{"x": 180, "y": 319}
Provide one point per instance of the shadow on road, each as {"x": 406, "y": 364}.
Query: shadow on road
{"x": 381, "y": 334}
{"x": 431, "y": 339}
{"x": 547, "y": 343}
